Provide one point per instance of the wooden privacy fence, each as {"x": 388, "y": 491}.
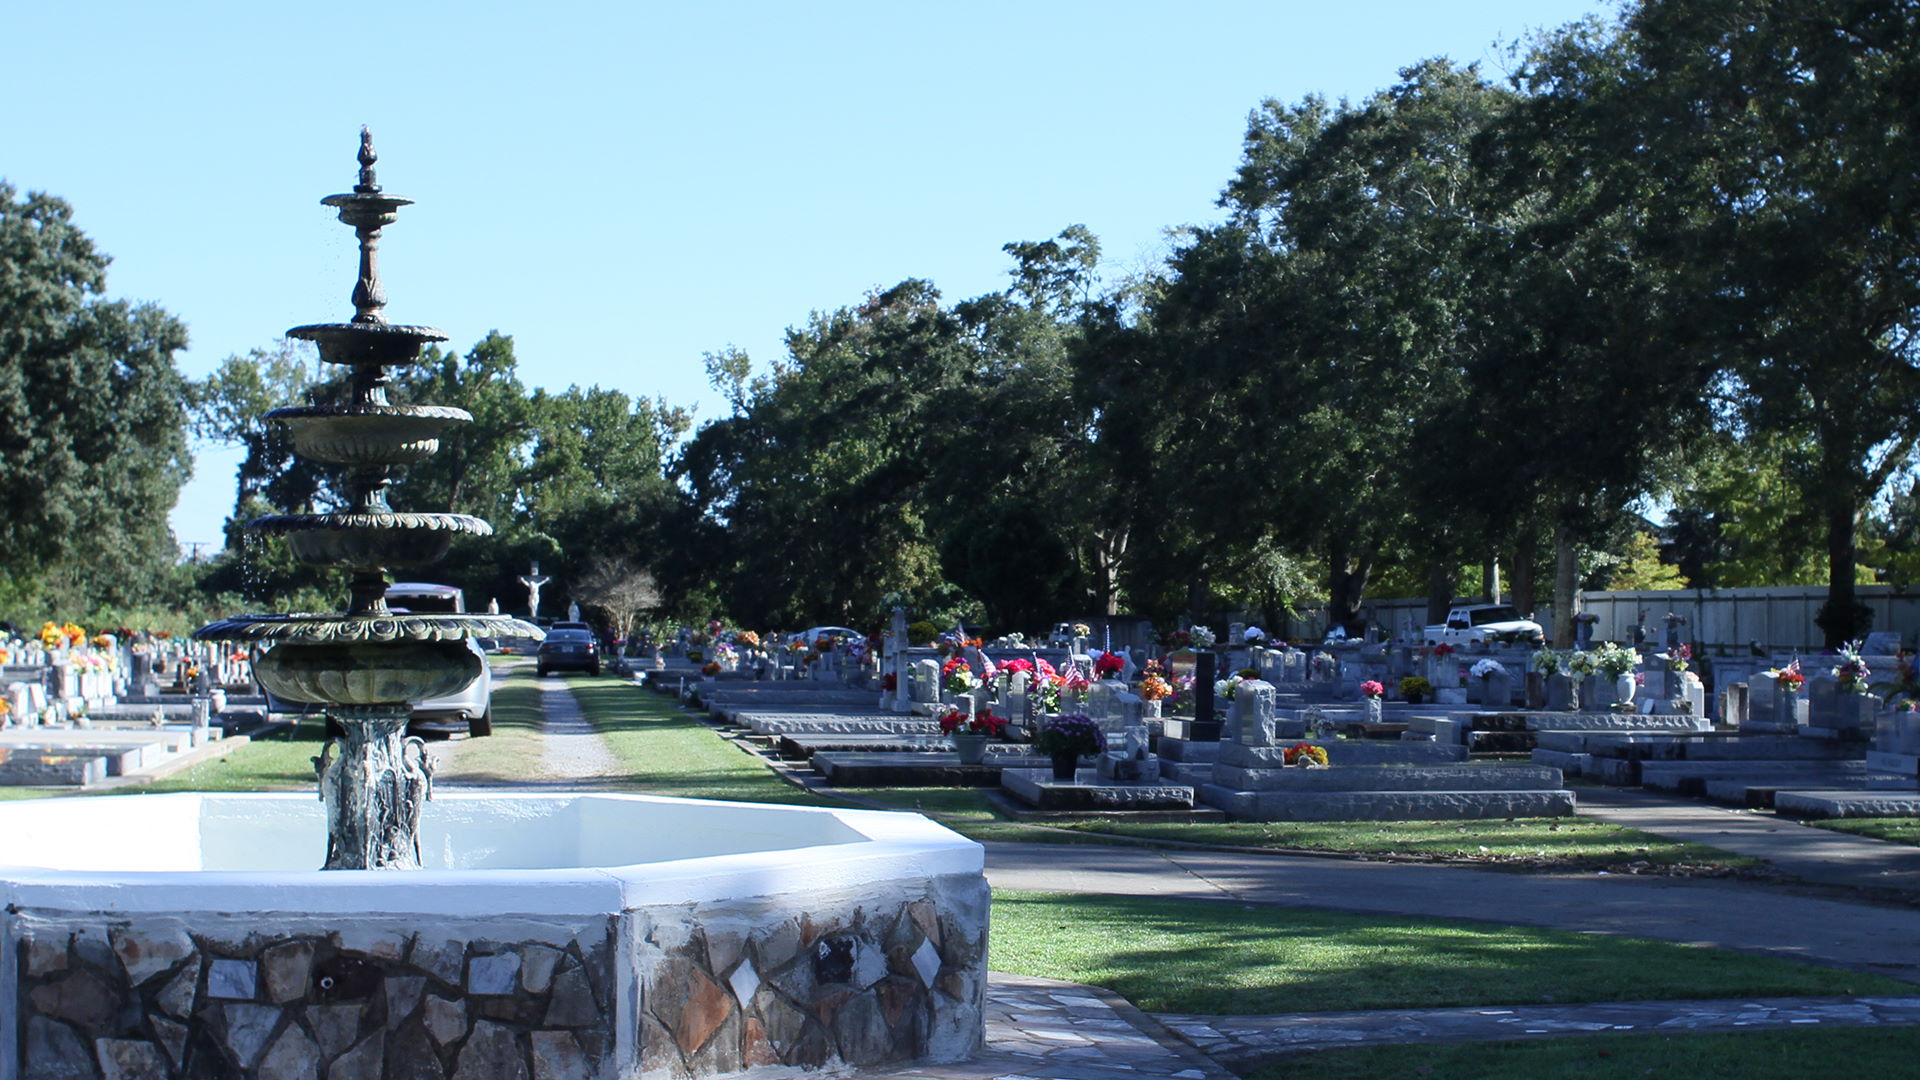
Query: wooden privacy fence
{"x": 1732, "y": 619}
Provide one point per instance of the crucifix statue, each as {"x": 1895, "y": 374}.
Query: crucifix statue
{"x": 533, "y": 582}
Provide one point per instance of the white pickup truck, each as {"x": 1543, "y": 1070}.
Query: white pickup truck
{"x": 1485, "y": 623}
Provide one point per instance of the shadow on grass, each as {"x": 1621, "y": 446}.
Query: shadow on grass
{"x": 1223, "y": 958}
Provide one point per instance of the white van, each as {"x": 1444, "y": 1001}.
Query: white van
{"x": 472, "y": 705}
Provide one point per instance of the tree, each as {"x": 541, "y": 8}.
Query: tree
{"x": 1788, "y": 124}
{"x": 622, "y": 589}
{"x": 92, "y": 427}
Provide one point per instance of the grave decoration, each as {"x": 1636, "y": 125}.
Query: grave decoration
{"x": 1306, "y": 755}
{"x": 1066, "y": 739}
{"x": 1371, "y": 692}
{"x": 1852, "y": 670}
{"x": 970, "y": 734}
{"x": 1415, "y": 689}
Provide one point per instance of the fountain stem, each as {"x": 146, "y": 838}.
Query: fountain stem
{"x": 374, "y": 790}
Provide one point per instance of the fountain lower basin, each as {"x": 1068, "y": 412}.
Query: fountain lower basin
{"x": 586, "y": 935}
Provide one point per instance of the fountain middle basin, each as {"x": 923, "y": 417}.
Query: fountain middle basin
{"x": 588, "y": 935}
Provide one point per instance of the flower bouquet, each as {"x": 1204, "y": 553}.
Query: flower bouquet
{"x": 1415, "y": 689}
{"x": 1851, "y": 670}
{"x": 1614, "y": 660}
{"x": 1253, "y": 635}
{"x": 711, "y": 667}
{"x": 1155, "y": 688}
{"x": 1175, "y": 640}
{"x": 1108, "y": 665}
{"x": 1546, "y": 661}
{"x": 1372, "y": 689}
{"x": 1202, "y": 637}
{"x": 957, "y": 678}
{"x": 1678, "y": 656}
{"x": 1788, "y": 680}
{"x": 1305, "y": 755}
{"x": 1488, "y": 668}
{"x": 1224, "y": 688}
{"x": 955, "y": 721}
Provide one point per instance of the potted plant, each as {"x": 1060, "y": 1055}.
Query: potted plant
{"x": 970, "y": 734}
{"x": 1415, "y": 689}
{"x": 1067, "y": 739}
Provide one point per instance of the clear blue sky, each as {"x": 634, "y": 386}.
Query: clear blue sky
{"x": 624, "y": 186}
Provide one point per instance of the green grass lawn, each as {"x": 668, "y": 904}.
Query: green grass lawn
{"x": 666, "y": 750}
{"x": 1224, "y": 958}
{"x": 1900, "y": 830}
{"x": 1532, "y": 844}
{"x": 1793, "y": 1054}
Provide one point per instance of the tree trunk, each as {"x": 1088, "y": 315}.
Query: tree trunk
{"x": 1565, "y": 577}
{"x": 1523, "y": 578}
{"x": 1843, "y": 618}
{"x": 1440, "y": 575}
{"x": 1346, "y": 588}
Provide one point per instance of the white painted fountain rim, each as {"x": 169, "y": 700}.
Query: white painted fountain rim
{"x": 47, "y": 844}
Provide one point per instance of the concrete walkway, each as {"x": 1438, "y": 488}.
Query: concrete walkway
{"x": 1805, "y": 852}
{"x": 1775, "y": 920}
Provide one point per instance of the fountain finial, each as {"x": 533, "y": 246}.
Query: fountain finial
{"x": 367, "y": 185}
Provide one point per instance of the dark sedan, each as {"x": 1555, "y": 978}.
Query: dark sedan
{"x": 569, "y": 650}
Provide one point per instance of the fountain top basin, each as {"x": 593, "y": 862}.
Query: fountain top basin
{"x": 482, "y": 853}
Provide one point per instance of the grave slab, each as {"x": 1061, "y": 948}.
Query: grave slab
{"x": 1840, "y": 804}
{"x": 1038, "y": 788}
{"x": 917, "y": 770}
{"x": 1386, "y": 805}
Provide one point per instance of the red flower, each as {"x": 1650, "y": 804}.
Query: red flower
{"x": 1108, "y": 664}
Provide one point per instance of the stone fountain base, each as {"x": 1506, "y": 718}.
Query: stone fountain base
{"x": 588, "y": 936}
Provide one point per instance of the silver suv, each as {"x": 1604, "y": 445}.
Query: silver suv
{"x": 471, "y": 705}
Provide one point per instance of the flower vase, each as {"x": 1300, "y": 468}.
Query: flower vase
{"x": 1150, "y": 710}
{"x": 1065, "y": 765}
{"x": 1373, "y": 710}
{"x": 1623, "y": 688}
{"x": 971, "y": 746}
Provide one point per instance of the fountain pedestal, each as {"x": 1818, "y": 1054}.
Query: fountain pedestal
{"x": 374, "y": 791}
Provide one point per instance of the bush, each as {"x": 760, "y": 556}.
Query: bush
{"x": 922, "y": 633}
{"x": 1415, "y": 686}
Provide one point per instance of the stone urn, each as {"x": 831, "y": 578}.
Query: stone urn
{"x": 1623, "y": 688}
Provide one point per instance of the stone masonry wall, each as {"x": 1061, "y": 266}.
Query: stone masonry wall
{"x": 223, "y": 998}
{"x": 888, "y": 976}
{"x": 887, "y": 973}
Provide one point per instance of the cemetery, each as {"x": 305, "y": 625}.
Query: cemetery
{"x": 1238, "y": 658}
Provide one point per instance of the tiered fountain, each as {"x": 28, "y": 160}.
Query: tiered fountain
{"x": 366, "y": 665}
{"x": 592, "y": 936}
